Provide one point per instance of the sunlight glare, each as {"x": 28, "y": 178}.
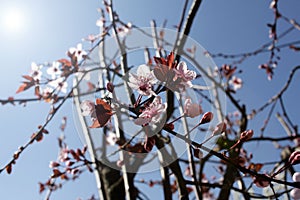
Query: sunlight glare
{"x": 13, "y": 20}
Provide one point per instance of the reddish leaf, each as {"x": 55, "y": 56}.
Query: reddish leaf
{"x": 42, "y": 187}
{"x": 8, "y": 168}
{"x": 170, "y": 60}
{"x": 256, "y": 167}
{"x": 27, "y": 77}
{"x": 75, "y": 155}
{"x": 65, "y": 62}
{"x": 24, "y": 87}
{"x": 64, "y": 177}
{"x": 56, "y": 173}
{"x": 95, "y": 124}
{"x": 103, "y": 112}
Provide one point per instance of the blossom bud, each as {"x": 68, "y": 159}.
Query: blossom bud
{"x": 120, "y": 163}
{"x": 246, "y": 135}
{"x": 53, "y": 164}
{"x": 110, "y": 87}
{"x": 295, "y": 193}
{"x": 294, "y": 158}
{"x": 296, "y": 177}
{"x": 207, "y": 117}
{"x": 169, "y": 126}
{"x": 220, "y": 128}
{"x": 192, "y": 109}
{"x": 261, "y": 182}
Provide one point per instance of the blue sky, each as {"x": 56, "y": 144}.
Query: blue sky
{"x": 50, "y": 28}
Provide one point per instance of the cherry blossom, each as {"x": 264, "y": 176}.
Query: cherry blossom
{"x": 125, "y": 30}
{"x": 91, "y": 38}
{"x": 111, "y": 138}
{"x": 47, "y": 93}
{"x": 236, "y": 83}
{"x": 142, "y": 81}
{"x": 192, "y": 109}
{"x": 78, "y": 52}
{"x": 295, "y": 193}
{"x": 88, "y": 108}
{"x": 227, "y": 70}
{"x": 36, "y": 72}
{"x": 152, "y": 113}
{"x": 220, "y": 128}
{"x": 54, "y": 70}
{"x": 184, "y": 74}
{"x": 59, "y": 84}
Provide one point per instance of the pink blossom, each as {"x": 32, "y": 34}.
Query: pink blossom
{"x": 59, "y": 84}
{"x": 295, "y": 193}
{"x": 36, "y": 72}
{"x": 236, "y": 83}
{"x": 125, "y": 30}
{"x": 78, "y": 52}
{"x": 91, "y": 38}
{"x": 88, "y": 108}
{"x": 111, "y": 138}
{"x": 120, "y": 163}
{"x": 152, "y": 113}
{"x": 186, "y": 75}
{"x": 220, "y": 128}
{"x": 64, "y": 154}
{"x": 54, "y": 70}
{"x": 47, "y": 92}
{"x": 192, "y": 109}
{"x": 142, "y": 81}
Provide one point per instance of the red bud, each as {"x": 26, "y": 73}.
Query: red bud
{"x": 246, "y": 135}
{"x": 206, "y": 118}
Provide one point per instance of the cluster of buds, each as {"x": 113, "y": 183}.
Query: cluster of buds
{"x": 69, "y": 166}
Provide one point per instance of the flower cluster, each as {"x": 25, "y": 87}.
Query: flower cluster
{"x": 152, "y": 113}
{"x": 49, "y": 79}
{"x": 69, "y": 165}
{"x": 149, "y": 83}
{"x": 228, "y": 72}
{"x": 175, "y": 75}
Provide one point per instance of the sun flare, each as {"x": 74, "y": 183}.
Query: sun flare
{"x": 13, "y": 20}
